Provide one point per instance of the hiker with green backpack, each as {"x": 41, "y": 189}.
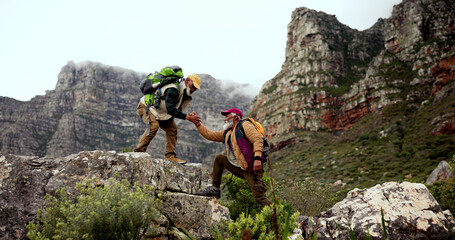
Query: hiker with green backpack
{"x": 246, "y": 149}
{"x": 166, "y": 95}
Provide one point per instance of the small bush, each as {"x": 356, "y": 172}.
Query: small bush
{"x": 308, "y": 197}
{"x": 441, "y": 147}
{"x": 239, "y": 196}
{"x": 110, "y": 212}
{"x": 261, "y": 225}
{"x": 127, "y": 149}
{"x": 270, "y": 89}
{"x": 444, "y": 191}
{"x": 452, "y": 165}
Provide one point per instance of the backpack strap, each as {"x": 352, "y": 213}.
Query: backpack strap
{"x": 224, "y": 135}
{"x": 239, "y": 131}
{"x": 177, "y": 84}
{"x": 148, "y": 119}
{"x": 148, "y": 103}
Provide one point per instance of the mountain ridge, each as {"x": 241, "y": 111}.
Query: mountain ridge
{"x": 334, "y": 75}
{"x": 93, "y": 107}
{"x": 356, "y": 108}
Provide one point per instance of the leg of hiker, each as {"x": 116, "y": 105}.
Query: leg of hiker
{"x": 147, "y": 136}
{"x": 170, "y": 128}
{"x": 255, "y": 182}
{"x": 257, "y": 187}
{"x": 221, "y": 162}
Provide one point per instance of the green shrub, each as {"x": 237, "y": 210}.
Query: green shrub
{"x": 261, "y": 225}
{"x": 444, "y": 190}
{"x": 114, "y": 211}
{"x": 239, "y": 196}
{"x": 270, "y": 89}
{"x": 308, "y": 197}
{"x": 127, "y": 149}
{"x": 452, "y": 165}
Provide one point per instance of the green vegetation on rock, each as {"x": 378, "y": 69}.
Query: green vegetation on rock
{"x": 444, "y": 190}
{"x": 114, "y": 211}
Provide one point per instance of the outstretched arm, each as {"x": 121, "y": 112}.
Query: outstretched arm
{"x": 216, "y": 136}
{"x": 171, "y": 95}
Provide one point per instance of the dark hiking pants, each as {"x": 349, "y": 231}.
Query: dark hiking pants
{"x": 254, "y": 180}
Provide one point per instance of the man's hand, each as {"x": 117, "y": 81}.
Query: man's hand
{"x": 257, "y": 166}
{"x": 194, "y": 118}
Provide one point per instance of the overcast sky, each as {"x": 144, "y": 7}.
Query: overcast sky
{"x": 238, "y": 40}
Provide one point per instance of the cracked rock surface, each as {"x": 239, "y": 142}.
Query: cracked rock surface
{"x": 410, "y": 212}
{"x": 24, "y": 181}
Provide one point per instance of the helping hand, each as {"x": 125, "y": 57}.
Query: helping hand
{"x": 194, "y": 118}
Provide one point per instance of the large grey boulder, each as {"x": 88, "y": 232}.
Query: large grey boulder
{"x": 441, "y": 172}
{"x": 24, "y": 181}
{"x": 410, "y": 212}
{"x": 135, "y": 167}
{"x": 195, "y": 214}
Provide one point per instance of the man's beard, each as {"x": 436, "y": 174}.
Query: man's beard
{"x": 228, "y": 124}
{"x": 188, "y": 91}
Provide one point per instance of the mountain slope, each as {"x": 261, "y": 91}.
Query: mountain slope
{"x": 334, "y": 75}
{"x": 364, "y": 107}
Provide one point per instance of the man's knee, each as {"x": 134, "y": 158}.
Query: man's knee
{"x": 171, "y": 133}
{"x": 220, "y": 158}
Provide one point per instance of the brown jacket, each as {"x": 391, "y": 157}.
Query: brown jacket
{"x": 251, "y": 134}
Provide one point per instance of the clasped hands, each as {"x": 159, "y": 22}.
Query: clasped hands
{"x": 194, "y": 118}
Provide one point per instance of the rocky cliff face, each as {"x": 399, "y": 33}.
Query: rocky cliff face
{"x": 334, "y": 75}
{"x": 94, "y": 107}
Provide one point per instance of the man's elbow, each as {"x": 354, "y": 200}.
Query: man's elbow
{"x": 171, "y": 110}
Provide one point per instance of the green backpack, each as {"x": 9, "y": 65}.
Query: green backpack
{"x": 151, "y": 85}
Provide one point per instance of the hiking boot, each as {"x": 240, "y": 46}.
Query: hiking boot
{"x": 174, "y": 159}
{"x": 210, "y": 192}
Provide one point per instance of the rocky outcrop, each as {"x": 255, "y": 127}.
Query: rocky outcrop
{"x": 410, "y": 212}
{"x": 333, "y": 75}
{"x": 321, "y": 54}
{"x": 93, "y": 106}
{"x": 25, "y": 180}
{"x": 441, "y": 172}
